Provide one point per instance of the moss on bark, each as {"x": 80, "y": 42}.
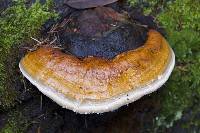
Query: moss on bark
{"x": 17, "y": 24}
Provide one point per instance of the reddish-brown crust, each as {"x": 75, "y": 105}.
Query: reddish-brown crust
{"x": 97, "y": 78}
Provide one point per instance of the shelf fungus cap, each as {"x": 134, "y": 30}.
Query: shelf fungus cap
{"x": 83, "y": 4}
{"x": 97, "y": 85}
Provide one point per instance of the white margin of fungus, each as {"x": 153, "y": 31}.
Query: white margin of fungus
{"x": 102, "y": 106}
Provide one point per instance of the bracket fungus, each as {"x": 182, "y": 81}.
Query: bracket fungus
{"x": 83, "y": 4}
{"x": 93, "y": 83}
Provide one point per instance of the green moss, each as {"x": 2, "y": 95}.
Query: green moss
{"x": 7, "y": 95}
{"x": 181, "y": 92}
{"x": 149, "y": 6}
{"x": 181, "y": 20}
{"x": 181, "y": 14}
{"x": 16, "y": 123}
{"x": 17, "y": 24}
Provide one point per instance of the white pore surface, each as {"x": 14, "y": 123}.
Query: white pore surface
{"x": 100, "y": 106}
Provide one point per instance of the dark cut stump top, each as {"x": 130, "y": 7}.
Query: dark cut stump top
{"x": 101, "y": 32}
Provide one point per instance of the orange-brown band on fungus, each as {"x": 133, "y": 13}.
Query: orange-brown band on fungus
{"x": 98, "y": 78}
